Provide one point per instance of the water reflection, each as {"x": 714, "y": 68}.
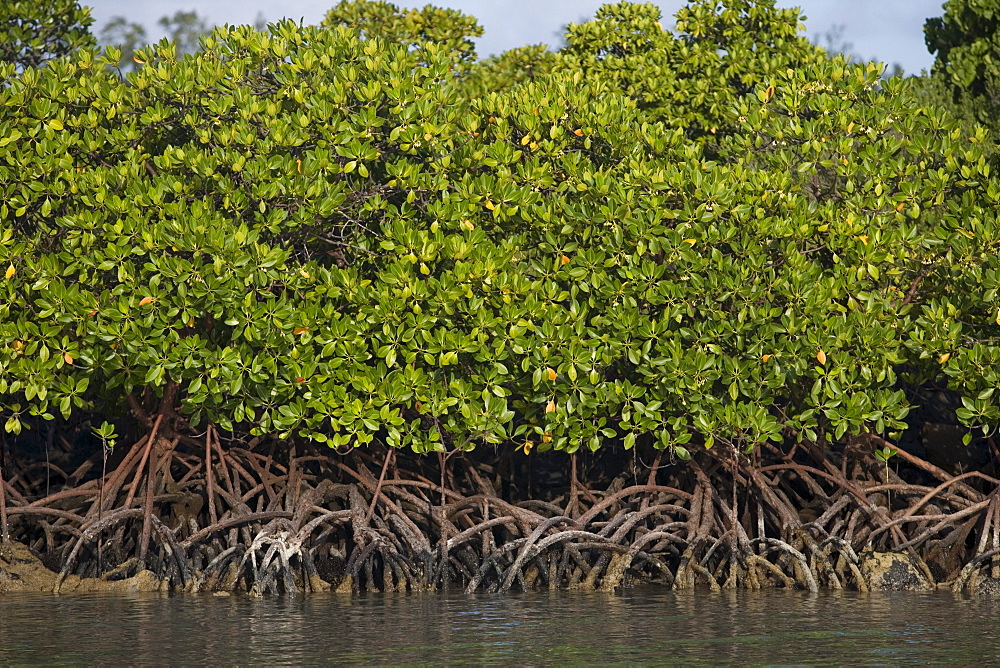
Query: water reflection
{"x": 647, "y": 625}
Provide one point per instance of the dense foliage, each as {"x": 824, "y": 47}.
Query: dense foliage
{"x": 716, "y": 234}
{"x": 965, "y": 43}
{"x": 34, "y": 32}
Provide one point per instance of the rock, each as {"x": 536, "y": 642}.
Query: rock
{"x": 892, "y": 571}
{"x": 20, "y": 570}
{"x": 144, "y": 581}
{"x": 988, "y": 587}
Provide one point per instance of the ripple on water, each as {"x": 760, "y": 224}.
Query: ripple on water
{"x": 646, "y": 625}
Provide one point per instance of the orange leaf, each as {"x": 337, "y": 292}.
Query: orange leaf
{"x": 551, "y": 372}
{"x": 67, "y": 358}
{"x": 145, "y": 300}
{"x": 550, "y": 407}
{"x": 900, "y": 206}
{"x": 578, "y": 132}
{"x": 300, "y": 330}
{"x": 300, "y": 379}
{"x": 766, "y": 357}
{"x": 564, "y": 259}
{"x": 821, "y": 357}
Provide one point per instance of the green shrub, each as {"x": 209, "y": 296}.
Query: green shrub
{"x": 306, "y": 233}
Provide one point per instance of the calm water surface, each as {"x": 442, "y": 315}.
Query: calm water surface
{"x": 646, "y": 625}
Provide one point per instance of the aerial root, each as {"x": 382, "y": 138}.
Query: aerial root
{"x": 268, "y": 519}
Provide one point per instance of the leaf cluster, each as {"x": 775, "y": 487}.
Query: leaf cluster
{"x": 711, "y": 235}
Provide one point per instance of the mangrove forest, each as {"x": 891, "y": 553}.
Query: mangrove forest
{"x": 347, "y": 307}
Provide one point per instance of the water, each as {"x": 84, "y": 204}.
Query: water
{"x": 647, "y": 625}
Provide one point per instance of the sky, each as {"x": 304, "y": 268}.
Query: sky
{"x": 887, "y": 30}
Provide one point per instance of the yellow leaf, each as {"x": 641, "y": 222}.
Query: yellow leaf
{"x": 768, "y": 93}
{"x": 67, "y": 358}
{"x": 864, "y": 238}
{"x": 528, "y": 445}
{"x": 525, "y": 140}
{"x": 766, "y": 357}
{"x": 998, "y": 316}
{"x": 850, "y": 126}
{"x": 17, "y": 345}
{"x": 490, "y": 205}
{"x": 303, "y": 273}
{"x": 300, "y": 330}
{"x": 145, "y": 300}
{"x": 551, "y": 373}
{"x": 547, "y": 437}
{"x": 821, "y": 357}
{"x": 10, "y": 271}
{"x": 691, "y": 241}
{"x": 550, "y": 407}
{"x": 298, "y": 165}
{"x": 139, "y": 60}
{"x": 944, "y": 358}
{"x": 467, "y": 224}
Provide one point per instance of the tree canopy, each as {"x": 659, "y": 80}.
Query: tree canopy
{"x": 716, "y": 234}
{"x": 32, "y": 33}
{"x": 966, "y": 47}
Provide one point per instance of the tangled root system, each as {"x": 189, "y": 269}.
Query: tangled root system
{"x": 273, "y": 517}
